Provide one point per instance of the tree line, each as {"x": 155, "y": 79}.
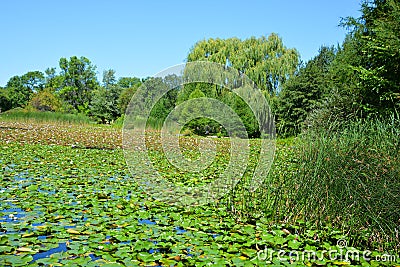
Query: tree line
{"x": 357, "y": 79}
{"x": 75, "y": 89}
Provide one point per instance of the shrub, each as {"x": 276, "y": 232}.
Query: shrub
{"x": 45, "y": 101}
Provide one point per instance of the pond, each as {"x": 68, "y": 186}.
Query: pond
{"x": 61, "y": 205}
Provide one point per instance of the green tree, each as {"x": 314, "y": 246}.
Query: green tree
{"x": 79, "y": 82}
{"x": 166, "y": 101}
{"x": 109, "y": 78}
{"x": 5, "y": 102}
{"x": 363, "y": 78}
{"x": 101, "y": 106}
{"x": 52, "y": 80}
{"x": 20, "y": 88}
{"x": 201, "y": 125}
{"x": 264, "y": 60}
{"x": 128, "y": 82}
{"x": 126, "y": 96}
{"x": 377, "y": 35}
{"x": 209, "y": 90}
{"x": 33, "y": 80}
{"x": 104, "y": 104}
{"x": 304, "y": 92}
{"x": 344, "y": 99}
{"x": 129, "y": 86}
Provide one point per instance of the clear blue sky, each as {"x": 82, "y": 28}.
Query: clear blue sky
{"x": 141, "y": 38}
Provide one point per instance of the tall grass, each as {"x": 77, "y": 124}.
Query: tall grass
{"x": 348, "y": 177}
{"x": 44, "y": 116}
{"x": 142, "y": 123}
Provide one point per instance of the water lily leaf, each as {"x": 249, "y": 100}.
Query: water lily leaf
{"x": 72, "y": 231}
{"x": 294, "y": 244}
{"x": 6, "y": 248}
{"x": 28, "y": 235}
{"x": 48, "y": 261}
{"x": 25, "y": 249}
{"x": 18, "y": 260}
{"x": 146, "y": 257}
{"x": 341, "y": 263}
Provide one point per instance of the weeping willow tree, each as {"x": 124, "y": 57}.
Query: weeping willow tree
{"x": 265, "y": 60}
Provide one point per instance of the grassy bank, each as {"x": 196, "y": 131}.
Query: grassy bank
{"x": 347, "y": 178}
{"x": 44, "y": 116}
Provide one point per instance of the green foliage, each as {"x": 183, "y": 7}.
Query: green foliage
{"x": 74, "y": 90}
{"x": 163, "y": 107}
{"x": 119, "y": 122}
{"x": 109, "y": 78}
{"x": 205, "y": 126}
{"x": 265, "y": 60}
{"x": 343, "y": 101}
{"x": 333, "y": 179}
{"x": 360, "y": 80}
{"x": 304, "y": 93}
{"x": 153, "y": 96}
{"x": 5, "y": 101}
{"x": 45, "y": 100}
{"x": 104, "y": 103}
{"x": 125, "y": 97}
{"x": 202, "y": 88}
{"x": 151, "y": 90}
{"x": 128, "y": 82}
{"x": 17, "y": 97}
{"x": 199, "y": 126}
{"x": 380, "y": 38}
{"x": 102, "y": 106}
{"x": 53, "y": 81}
{"x": 19, "y": 89}
{"x": 33, "y": 80}
{"x": 197, "y": 93}
{"x": 242, "y": 109}
{"x": 371, "y": 58}
{"x": 79, "y": 81}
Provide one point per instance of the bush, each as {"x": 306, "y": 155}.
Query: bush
{"x": 45, "y": 101}
{"x": 119, "y": 122}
